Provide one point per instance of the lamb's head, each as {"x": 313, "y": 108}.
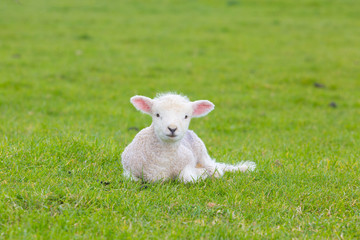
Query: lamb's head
{"x": 171, "y": 113}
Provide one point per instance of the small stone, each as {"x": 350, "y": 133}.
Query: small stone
{"x": 333, "y": 105}
{"x": 144, "y": 187}
{"x": 211, "y": 204}
{"x": 319, "y": 85}
{"x": 133, "y": 129}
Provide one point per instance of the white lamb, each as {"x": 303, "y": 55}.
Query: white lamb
{"x": 167, "y": 149}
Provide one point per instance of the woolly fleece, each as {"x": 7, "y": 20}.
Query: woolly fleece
{"x": 159, "y": 152}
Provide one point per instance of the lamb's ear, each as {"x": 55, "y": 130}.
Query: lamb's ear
{"x": 202, "y": 107}
{"x": 142, "y": 103}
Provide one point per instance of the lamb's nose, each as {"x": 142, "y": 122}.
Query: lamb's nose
{"x": 172, "y": 129}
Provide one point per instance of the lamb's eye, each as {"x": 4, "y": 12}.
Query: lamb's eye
{"x": 186, "y": 116}
{"x": 158, "y": 115}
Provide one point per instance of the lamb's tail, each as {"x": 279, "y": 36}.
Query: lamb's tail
{"x": 242, "y": 166}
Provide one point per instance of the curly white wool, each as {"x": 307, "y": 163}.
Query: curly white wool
{"x": 167, "y": 149}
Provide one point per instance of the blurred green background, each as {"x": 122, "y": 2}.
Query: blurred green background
{"x": 284, "y": 76}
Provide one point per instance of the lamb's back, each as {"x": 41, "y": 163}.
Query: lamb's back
{"x": 195, "y": 144}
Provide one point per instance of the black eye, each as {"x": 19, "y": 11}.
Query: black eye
{"x": 186, "y": 116}
{"x": 158, "y": 115}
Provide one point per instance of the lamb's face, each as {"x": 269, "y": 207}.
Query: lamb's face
{"x": 171, "y": 120}
{"x": 171, "y": 114}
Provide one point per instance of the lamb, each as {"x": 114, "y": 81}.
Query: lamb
{"x": 167, "y": 149}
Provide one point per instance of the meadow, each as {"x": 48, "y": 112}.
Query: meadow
{"x": 284, "y": 77}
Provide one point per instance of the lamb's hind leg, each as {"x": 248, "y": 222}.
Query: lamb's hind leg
{"x": 191, "y": 174}
{"x": 221, "y": 168}
{"x": 212, "y": 167}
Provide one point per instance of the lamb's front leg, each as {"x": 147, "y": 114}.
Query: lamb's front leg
{"x": 190, "y": 173}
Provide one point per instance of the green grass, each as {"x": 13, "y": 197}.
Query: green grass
{"x": 68, "y": 69}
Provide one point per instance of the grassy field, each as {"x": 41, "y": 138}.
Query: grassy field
{"x": 285, "y": 79}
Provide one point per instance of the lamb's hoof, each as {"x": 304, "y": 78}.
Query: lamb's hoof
{"x": 217, "y": 173}
{"x": 250, "y": 166}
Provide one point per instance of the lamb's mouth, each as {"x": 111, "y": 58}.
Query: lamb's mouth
{"x": 171, "y": 135}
